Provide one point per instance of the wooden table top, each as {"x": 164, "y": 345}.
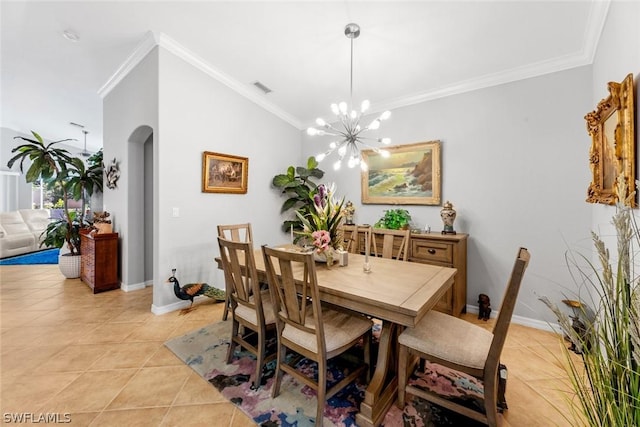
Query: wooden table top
{"x": 400, "y": 292}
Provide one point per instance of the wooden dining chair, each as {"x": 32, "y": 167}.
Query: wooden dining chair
{"x": 236, "y": 233}
{"x": 351, "y": 237}
{"x": 462, "y": 346}
{"x": 389, "y": 247}
{"x": 308, "y": 328}
{"x": 252, "y": 314}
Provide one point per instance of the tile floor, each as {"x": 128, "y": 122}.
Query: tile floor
{"x": 101, "y": 359}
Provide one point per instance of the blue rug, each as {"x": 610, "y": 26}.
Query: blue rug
{"x": 48, "y": 256}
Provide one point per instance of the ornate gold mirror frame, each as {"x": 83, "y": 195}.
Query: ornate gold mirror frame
{"x": 612, "y": 154}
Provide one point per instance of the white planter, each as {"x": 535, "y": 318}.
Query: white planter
{"x": 69, "y": 265}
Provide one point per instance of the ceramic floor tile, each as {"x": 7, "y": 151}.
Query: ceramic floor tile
{"x": 98, "y": 356}
{"x": 197, "y": 390}
{"x": 132, "y": 417}
{"x": 528, "y": 408}
{"x": 151, "y": 331}
{"x": 163, "y": 357}
{"x": 240, "y": 419}
{"x": 27, "y": 393}
{"x": 220, "y": 414}
{"x": 109, "y": 333}
{"x": 82, "y": 419}
{"x": 125, "y": 355}
{"x": 536, "y": 367}
{"x": 24, "y": 361}
{"x": 92, "y": 391}
{"x": 165, "y": 382}
{"x": 75, "y": 358}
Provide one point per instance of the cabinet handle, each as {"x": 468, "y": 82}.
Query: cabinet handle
{"x": 431, "y": 251}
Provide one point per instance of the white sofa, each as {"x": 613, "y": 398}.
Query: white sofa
{"x": 20, "y": 231}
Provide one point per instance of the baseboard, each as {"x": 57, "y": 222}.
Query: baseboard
{"x": 521, "y": 320}
{"x": 164, "y": 309}
{"x": 133, "y": 287}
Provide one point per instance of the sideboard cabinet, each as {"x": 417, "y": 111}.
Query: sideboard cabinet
{"x": 99, "y": 261}
{"x": 447, "y": 250}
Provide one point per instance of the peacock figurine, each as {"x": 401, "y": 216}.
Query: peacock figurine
{"x": 192, "y": 290}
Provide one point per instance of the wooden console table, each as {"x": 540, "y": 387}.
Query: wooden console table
{"x": 446, "y": 250}
{"x": 99, "y": 261}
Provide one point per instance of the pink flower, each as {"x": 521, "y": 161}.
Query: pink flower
{"x": 321, "y": 240}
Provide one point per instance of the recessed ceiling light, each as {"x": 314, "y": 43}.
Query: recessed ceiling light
{"x": 70, "y": 35}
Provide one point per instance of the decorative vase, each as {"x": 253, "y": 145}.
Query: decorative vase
{"x": 319, "y": 257}
{"x": 448, "y": 215}
{"x": 324, "y": 258}
{"x": 69, "y": 265}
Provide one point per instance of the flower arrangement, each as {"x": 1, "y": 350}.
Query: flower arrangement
{"x": 321, "y": 224}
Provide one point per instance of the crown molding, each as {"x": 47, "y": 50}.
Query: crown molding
{"x": 160, "y": 39}
{"x": 144, "y": 47}
{"x": 596, "y": 21}
{"x": 595, "y": 25}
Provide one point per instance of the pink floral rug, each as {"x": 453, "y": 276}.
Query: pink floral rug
{"x": 204, "y": 350}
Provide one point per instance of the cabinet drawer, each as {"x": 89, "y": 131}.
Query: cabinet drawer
{"x": 432, "y": 251}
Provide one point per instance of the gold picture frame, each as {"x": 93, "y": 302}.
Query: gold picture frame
{"x": 612, "y": 153}
{"x": 409, "y": 176}
{"x": 224, "y": 173}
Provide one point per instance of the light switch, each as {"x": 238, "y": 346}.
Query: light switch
{"x": 176, "y": 212}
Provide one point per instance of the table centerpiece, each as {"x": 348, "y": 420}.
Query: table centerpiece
{"x": 321, "y": 226}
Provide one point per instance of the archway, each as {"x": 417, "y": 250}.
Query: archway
{"x": 140, "y": 202}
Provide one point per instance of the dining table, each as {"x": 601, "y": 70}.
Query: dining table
{"x": 397, "y": 293}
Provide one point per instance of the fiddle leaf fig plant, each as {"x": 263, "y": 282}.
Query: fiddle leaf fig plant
{"x": 298, "y": 185}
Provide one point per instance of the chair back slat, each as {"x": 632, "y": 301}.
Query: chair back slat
{"x": 238, "y": 264}
{"x": 506, "y": 309}
{"x": 388, "y": 238}
{"x": 236, "y": 232}
{"x": 294, "y": 291}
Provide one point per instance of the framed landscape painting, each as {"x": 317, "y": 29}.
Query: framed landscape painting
{"x": 409, "y": 176}
{"x": 224, "y": 173}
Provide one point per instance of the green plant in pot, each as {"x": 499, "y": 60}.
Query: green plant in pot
{"x": 394, "y": 219}
{"x": 55, "y": 166}
{"x": 297, "y": 184}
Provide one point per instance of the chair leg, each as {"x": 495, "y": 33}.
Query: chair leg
{"x": 367, "y": 354}
{"x": 227, "y": 304}
{"x": 403, "y": 355}
{"x": 281, "y": 355}
{"x": 322, "y": 391}
{"x": 232, "y": 343}
{"x": 257, "y": 378}
{"x": 491, "y": 400}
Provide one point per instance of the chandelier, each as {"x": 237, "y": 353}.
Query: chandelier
{"x": 349, "y": 139}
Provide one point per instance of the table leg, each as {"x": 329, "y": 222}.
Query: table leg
{"x": 383, "y": 388}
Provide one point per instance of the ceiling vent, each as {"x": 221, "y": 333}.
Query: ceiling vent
{"x": 262, "y": 87}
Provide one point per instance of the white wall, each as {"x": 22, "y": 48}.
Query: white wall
{"x": 189, "y": 113}
{"x": 131, "y": 104}
{"x": 515, "y": 166}
{"x": 197, "y": 114}
{"x": 618, "y": 55}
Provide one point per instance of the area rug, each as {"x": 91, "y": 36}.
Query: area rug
{"x": 47, "y": 256}
{"x": 205, "y": 349}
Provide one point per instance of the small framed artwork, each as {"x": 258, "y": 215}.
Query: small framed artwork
{"x": 612, "y": 153}
{"x": 224, "y": 173}
{"x": 410, "y": 175}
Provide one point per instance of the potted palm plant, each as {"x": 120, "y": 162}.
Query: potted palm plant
{"x": 55, "y": 166}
